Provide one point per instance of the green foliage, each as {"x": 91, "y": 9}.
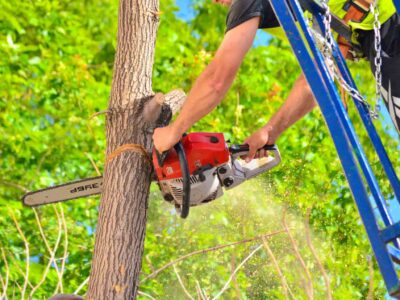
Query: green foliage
{"x": 56, "y": 72}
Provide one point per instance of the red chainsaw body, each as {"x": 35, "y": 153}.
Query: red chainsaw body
{"x": 201, "y": 149}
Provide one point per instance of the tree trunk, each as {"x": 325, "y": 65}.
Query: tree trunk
{"x": 133, "y": 114}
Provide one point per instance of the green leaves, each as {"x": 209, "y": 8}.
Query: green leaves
{"x": 56, "y": 72}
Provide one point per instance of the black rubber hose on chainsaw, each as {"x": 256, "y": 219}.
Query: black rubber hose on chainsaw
{"x": 186, "y": 180}
{"x": 234, "y": 149}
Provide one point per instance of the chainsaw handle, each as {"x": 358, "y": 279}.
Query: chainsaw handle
{"x": 239, "y": 150}
{"x": 256, "y": 166}
{"x": 186, "y": 179}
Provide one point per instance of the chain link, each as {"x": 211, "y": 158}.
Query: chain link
{"x": 328, "y": 50}
{"x": 378, "y": 55}
{"x": 326, "y": 44}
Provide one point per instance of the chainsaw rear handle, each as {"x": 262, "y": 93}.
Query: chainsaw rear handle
{"x": 240, "y": 150}
{"x": 186, "y": 179}
{"x": 256, "y": 166}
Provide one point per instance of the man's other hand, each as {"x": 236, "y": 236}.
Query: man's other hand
{"x": 256, "y": 141}
{"x": 223, "y": 2}
{"x": 165, "y": 138}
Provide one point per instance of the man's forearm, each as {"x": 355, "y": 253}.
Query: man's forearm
{"x": 299, "y": 102}
{"x": 212, "y": 85}
{"x": 206, "y": 94}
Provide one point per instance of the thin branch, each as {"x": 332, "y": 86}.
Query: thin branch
{"x": 65, "y": 245}
{"x": 41, "y": 161}
{"x": 181, "y": 283}
{"x": 314, "y": 253}
{"x": 14, "y": 185}
{"x": 309, "y": 285}
{"x": 235, "y": 283}
{"x": 226, "y": 286}
{"x": 103, "y": 112}
{"x": 57, "y": 268}
{"x": 370, "y": 295}
{"x": 146, "y": 295}
{"x": 200, "y": 292}
{"x": 203, "y": 251}
{"x": 51, "y": 252}
{"x": 15, "y": 264}
{"x": 5, "y": 286}
{"x": 148, "y": 260}
{"x": 49, "y": 249}
{"x": 81, "y": 286}
{"x": 26, "y": 276}
{"x": 93, "y": 164}
{"x": 285, "y": 285}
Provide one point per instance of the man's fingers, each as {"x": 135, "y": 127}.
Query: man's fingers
{"x": 252, "y": 152}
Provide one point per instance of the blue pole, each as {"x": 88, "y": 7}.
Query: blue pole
{"x": 373, "y": 135}
{"x": 397, "y": 4}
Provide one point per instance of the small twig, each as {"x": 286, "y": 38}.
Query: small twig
{"x": 200, "y": 292}
{"x": 147, "y": 258}
{"x": 370, "y": 295}
{"x": 235, "y": 284}
{"x": 81, "y": 286}
{"x": 146, "y": 295}
{"x": 2, "y": 283}
{"x": 226, "y": 286}
{"x": 203, "y": 251}
{"x": 181, "y": 283}
{"x": 15, "y": 264}
{"x": 314, "y": 253}
{"x": 93, "y": 164}
{"x": 5, "y": 286}
{"x": 285, "y": 285}
{"x": 41, "y": 161}
{"x": 26, "y": 276}
{"x": 98, "y": 114}
{"x": 64, "y": 226}
{"x": 58, "y": 269}
{"x": 309, "y": 285}
{"x": 14, "y": 185}
{"x": 51, "y": 252}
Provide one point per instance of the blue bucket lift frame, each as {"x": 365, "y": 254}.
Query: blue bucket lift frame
{"x": 384, "y": 238}
{"x": 397, "y": 4}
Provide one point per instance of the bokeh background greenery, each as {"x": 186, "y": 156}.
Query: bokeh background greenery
{"x": 56, "y": 69}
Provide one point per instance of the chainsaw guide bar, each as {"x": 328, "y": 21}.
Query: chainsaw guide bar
{"x": 68, "y": 191}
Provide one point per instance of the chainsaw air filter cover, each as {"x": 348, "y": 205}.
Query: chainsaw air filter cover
{"x": 205, "y": 153}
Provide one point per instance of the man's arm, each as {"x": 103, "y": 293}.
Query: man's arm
{"x": 212, "y": 85}
{"x": 299, "y": 102}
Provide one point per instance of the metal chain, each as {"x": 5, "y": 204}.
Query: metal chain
{"x": 327, "y": 23}
{"x": 354, "y": 93}
{"x": 378, "y": 55}
{"x": 327, "y": 45}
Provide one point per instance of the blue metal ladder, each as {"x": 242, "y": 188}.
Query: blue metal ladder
{"x": 363, "y": 184}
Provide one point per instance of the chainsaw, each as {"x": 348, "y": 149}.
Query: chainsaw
{"x": 194, "y": 172}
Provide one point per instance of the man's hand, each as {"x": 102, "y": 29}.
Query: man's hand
{"x": 256, "y": 141}
{"x": 165, "y": 138}
{"x": 223, "y": 2}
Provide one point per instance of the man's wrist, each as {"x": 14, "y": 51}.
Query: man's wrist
{"x": 176, "y": 129}
{"x": 272, "y": 132}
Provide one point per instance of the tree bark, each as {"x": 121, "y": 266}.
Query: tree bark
{"x": 133, "y": 114}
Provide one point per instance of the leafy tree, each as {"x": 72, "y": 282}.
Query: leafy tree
{"x": 56, "y": 67}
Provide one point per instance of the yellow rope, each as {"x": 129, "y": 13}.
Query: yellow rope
{"x": 129, "y": 147}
